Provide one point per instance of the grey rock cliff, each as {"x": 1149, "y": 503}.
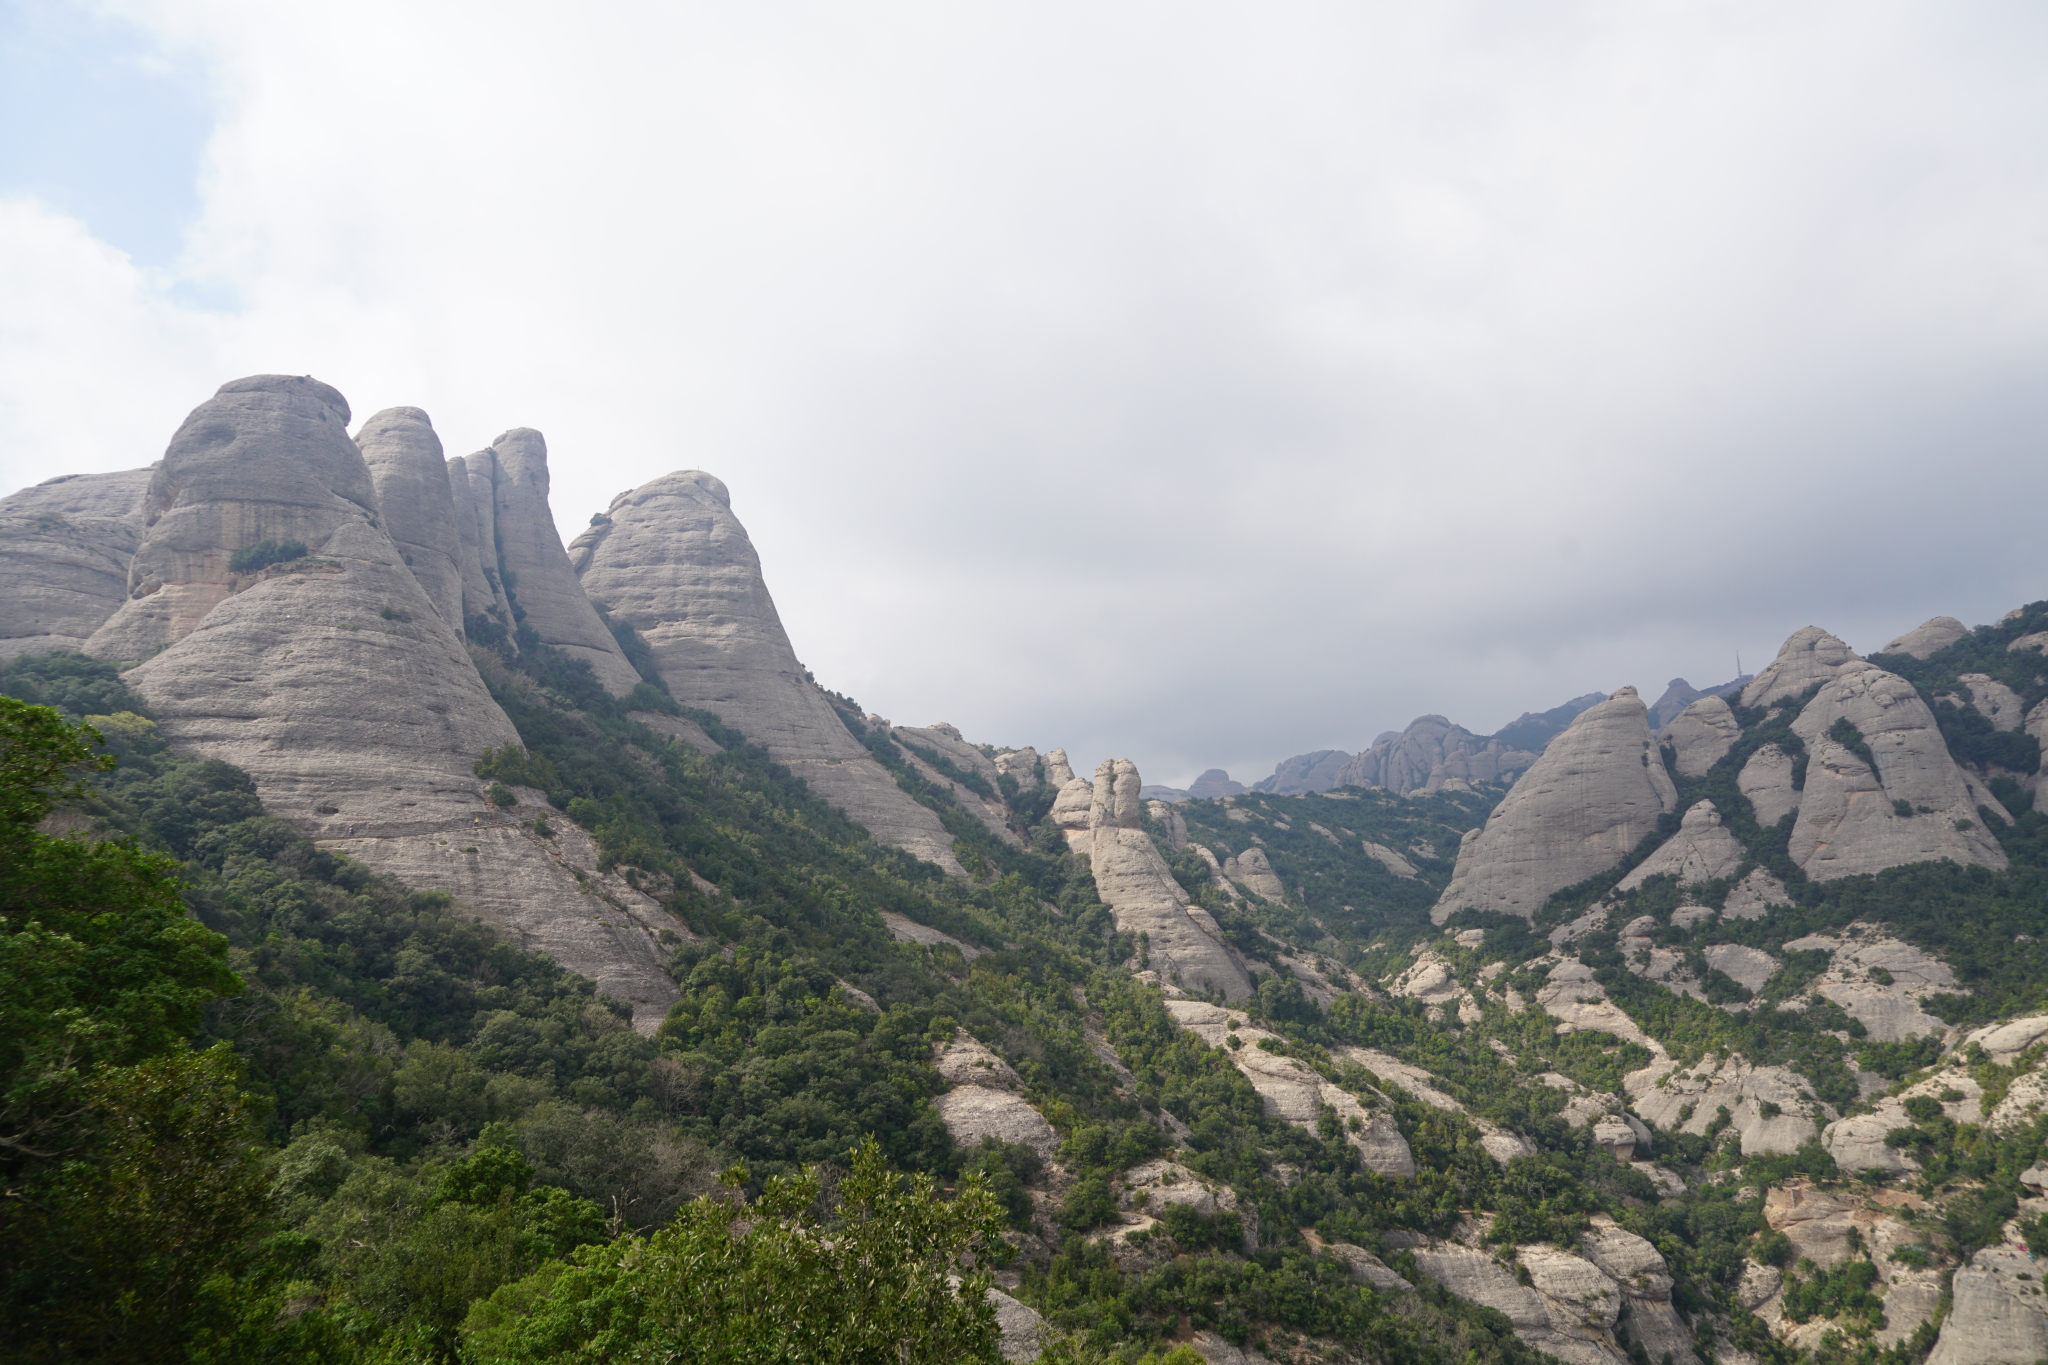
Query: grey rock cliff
{"x": 1591, "y": 797}
{"x": 1808, "y": 656}
{"x": 1849, "y": 813}
{"x": 1766, "y": 779}
{"x": 1212, "y": 784}
{"x": 1700, "y": 735}
{"x": 266, "y": 458}
{"x": 1430, "y": 753}
{"x": 1998, "y": 1317}
{"x": 671, "y": 559}
{"x": 476, "y": 523}
{"x": 534, "y": 569}
{"x": 1184, "y": 944}
{"x": 1929, "y": 637}
{"x": 1316, "y": 772}
{"x": 411, "y": 477}
{"x": 1702, "y": 851}
{"x": 65, "y": 547}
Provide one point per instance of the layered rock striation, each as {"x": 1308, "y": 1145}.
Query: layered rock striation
{"x": 65, "y": 548}
{"x": 415, "y": 499}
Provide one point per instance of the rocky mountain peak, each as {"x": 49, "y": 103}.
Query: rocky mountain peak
{"x": 1929, "y": 637}
{"x": 1809, "y": 655}
{"x": 413, "y": 497}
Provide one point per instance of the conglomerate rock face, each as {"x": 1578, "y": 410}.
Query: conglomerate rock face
{"x": 1582, "y": 807}
{"x": 533, "y": 569}
{"x": 65, "y": 547}
{"x": 1808, "y": 656}
{"x": 1700, "y": 735}
{"x": 1908, "y": 803}
{"x": 1184, "y": 944}
{"x": 411, "y": 475}
{"x": 1428, "y": 754}
{"x": 671, "y": 559}
{"x": 1929, "y": 637}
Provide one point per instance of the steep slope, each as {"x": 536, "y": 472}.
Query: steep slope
{"x": 413, "y": 499}
{"x": 522, "y": 556}
{"x": 1591, "y": 797}
{"x": 671, "y": 559}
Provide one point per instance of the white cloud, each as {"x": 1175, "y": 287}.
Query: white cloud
{"x": 1201, "y": 382}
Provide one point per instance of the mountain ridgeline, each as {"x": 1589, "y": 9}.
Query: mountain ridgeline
{"x": 430, "y": 941}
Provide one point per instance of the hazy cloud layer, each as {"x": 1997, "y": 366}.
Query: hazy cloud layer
{"x": 1200, "y": 383}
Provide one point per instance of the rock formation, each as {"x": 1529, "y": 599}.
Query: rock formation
{"x": 672, "y": 560}
{"x": 1700, "y": 735}
{"x": 1928, "y": 638}
{"x": 1702, "y": 851}
{"x": 1809, "y": 656}
{"x": 65, "y": 547}
{"x": 1184, "y": 944}
{"x": 1998, "y": 1317}
{"x": 1585, "y": 804}
{"x": 476, "y": 523}
{"x": 1253, "y": 871}
{"x": 1915, "y": 805}
{"x": 532, "y": 568}
{"x": 1212, "y": 784}
{"x": 1316, "y": 772}
{"x": 1429, "y": 753}
{"x": 1766, "y": 779}
{"x": 411, "y": 477}
{"x": 1993, "y": 700}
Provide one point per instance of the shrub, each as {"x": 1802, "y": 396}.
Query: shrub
{"x": 263, "y": 554}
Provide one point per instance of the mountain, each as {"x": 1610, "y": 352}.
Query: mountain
{"x": 460, "y": 904}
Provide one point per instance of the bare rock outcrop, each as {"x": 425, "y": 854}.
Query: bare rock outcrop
{"x": 1809, "y": 656}
{"x": 1999, "y": 1316}
{"x": 1754, "y": 896}
{"x": 1766, "y": 779}
{"x": 672, "y": 560}
{"x": 1073, "y": 814}
{"x": 267, "y": 458}
{"x": 1638, "y": 1268}
{"x": 1212, "y": 784}
{"x": 1928, "y": 638}
{"x": 476, "y": 525}
{"x": 1702, "y": 851}
{"x": 974, "y": 1112}
{"x": 1314, "y": 772}
{"x": 533, "y": 569}
{"x": 1585, "y": 804}
{"x": 945, "y": 741}
{"x": 1429, "y": 753}
{"x": 1700, "y": 735}
{"x": 1568, "y": 1307}
{"x": 1253, "y": 870}
{"x": 65, "y": 546}
{"x": 1857, "y": 1143}
{"x": 1183, "y": 943}
{"x": 1290, "y": 1089}
{"x": 1993, "y": 700}
{"x": 1767, "y": 1104}
{"x": 1914, "y": 805}
{"x": 411, "y": 477}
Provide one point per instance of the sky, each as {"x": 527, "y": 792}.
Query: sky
{"x": 1191, "y": 382}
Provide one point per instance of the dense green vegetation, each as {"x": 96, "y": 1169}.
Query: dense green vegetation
{"x": 298, "y": 1111}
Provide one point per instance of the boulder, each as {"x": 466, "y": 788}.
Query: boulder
{"x": 1811, "y": 655}
{"x": 1020, "y": 1331}
{"x": 1290, "y": 1090}
{"x": 1431, "y": 750}
{"x": 411, "y": 477}
{"x": 673, "y": 561}
{"x": 1699, "y": 735}
{"x": 1928, "y": 638}
{"x": 1073, "y": 811}
{"x": 1850, "y": 819}
{"x": 1182, "y": 942}
{"x": 533, "y": 569}
{"x": 1998, "y": 1316}
{"x": 1766, "y": 779}
{"x": 1597, "y": 790}
{"x": 1213, "y": 783}
{"x": 1316, "y": 772}
{"x": 1702, "y": 851}
{"x": 1253, "y": 871}
{"x": 1057, "y": 771}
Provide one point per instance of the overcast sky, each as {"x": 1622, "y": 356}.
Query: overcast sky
{"x": 1199, "y": 383}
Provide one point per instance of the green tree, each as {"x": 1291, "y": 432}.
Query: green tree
{"x": 887, "y": 1279}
